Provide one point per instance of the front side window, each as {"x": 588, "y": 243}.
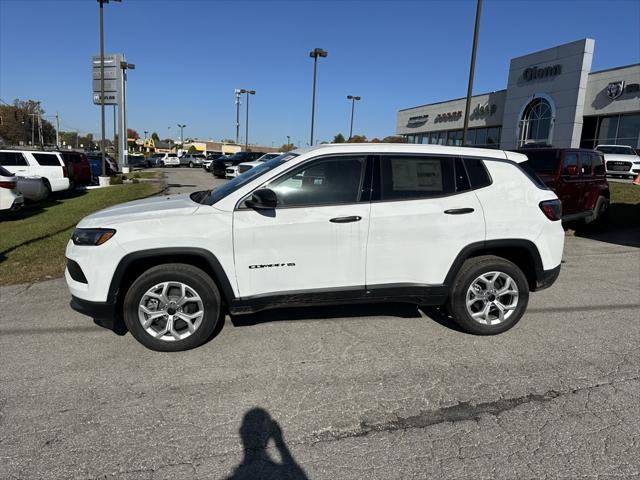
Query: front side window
{"x": 46, "y": 160}
{"x": 412, "y": 177}
{"x": 570, "y": 164}
{"x": 331, "y": 180}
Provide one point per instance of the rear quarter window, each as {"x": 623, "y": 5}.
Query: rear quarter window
{"x": 529, "y": 171}
{"x": 478, "y": 175}
{"x": 47, "y": 159}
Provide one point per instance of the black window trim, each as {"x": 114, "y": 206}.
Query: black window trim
{"x": 363, "y": 183}
{"x": 378, "y": 193}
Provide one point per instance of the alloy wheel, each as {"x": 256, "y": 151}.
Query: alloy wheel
{"x": 170, "y": 311}
{"x": 492, "y": 298}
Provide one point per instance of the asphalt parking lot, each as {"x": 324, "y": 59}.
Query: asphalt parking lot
{"x": 373, "y": 391}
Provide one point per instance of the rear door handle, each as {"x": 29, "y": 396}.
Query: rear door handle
{"x": 353, "y": 218}
{"x": 459, "y": 211}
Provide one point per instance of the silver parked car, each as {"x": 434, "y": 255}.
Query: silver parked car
{"x": 192, "y": 160}
{"x": 32, "y": 188}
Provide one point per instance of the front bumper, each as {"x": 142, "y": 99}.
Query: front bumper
{"x": 92, "y": 309}
{"x": 546, "y": 278}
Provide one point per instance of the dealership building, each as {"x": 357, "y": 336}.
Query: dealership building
{"x": 552, "y": 97}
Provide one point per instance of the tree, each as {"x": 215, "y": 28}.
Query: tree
{"x": 358, "y": 139}
{"x": 131, "y": 133}
{"x": 375, "y": 140}
{"x": 339, "y": 138}
{"x": 192, "y": 149}
{"x": 287, "y": 147}
{"x": 394, "y": 139}
{"x": 155, "y": 137}
{"x": 22, "y": 119}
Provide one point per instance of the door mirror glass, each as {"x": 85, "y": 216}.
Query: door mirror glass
{"x": 263, "y": 198}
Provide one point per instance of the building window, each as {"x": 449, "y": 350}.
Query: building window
{"x": 535, "y": 125}
{"x": 620, "y": 130}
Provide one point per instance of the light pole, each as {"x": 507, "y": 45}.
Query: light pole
{"x": 317, "y": 52}
{"x": 102, "y": 2}
{"x": 237, "y": 94}
{"x": 181, "y": 127}
{"x": 246, "y": 127}
{"x": 353, "y": 103}
{"x": 472, "y": 68}
{"x": 288, "y": 140}
{"x": 125, "y": 66}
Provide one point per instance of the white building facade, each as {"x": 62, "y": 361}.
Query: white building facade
{"x": 552, "y": 98}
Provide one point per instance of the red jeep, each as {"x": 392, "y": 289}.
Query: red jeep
{"x": 577, "y": 176}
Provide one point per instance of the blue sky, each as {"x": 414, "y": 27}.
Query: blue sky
{"x": 191, "y": 54}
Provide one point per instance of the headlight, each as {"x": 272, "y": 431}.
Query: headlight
{"x": 92, "y": 236}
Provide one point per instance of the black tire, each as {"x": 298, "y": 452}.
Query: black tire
{"x": 47, "y": 186}
{"x": 161, "y": 163}
{"x": 196, "y": 279}
{"x": 472, "y": 269}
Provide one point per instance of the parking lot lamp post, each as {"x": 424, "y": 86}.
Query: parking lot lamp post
{"x": 237, "y": 93}
{"x": 246, "y": 126}
{"x": 353, "y": 103}
{"x": 472, "y": 68}
{"x": 317, "y": 52}
{"x": 288, "y": 140}
{"x": 181, "y": 127}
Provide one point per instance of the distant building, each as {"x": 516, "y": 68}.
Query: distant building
{"x": 552, "y": 97}
{"x": 158, "y": 146}
{"x": 207, "y": 146}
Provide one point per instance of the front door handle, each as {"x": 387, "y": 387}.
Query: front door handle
{"x": 353, "y": 218}
{"x": 459, "y": 211}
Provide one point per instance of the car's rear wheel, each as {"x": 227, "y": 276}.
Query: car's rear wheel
{"x": 47, "y": 187}
{"x": 190, "y": 164}
{"x": 489, "y": 295}
{"x": 172, "y": 307}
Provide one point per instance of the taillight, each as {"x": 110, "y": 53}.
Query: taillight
{"x": 552, "y": 209}
{"x": 65, "y": 172}
{"x": 11, "y": 184}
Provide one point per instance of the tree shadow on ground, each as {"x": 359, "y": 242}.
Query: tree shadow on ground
{"x": 256, "y": 431}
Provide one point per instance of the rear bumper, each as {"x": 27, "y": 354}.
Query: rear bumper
{"x": 546, "y": 278}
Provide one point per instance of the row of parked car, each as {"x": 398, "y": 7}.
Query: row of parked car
{"x": 34, "y": 174}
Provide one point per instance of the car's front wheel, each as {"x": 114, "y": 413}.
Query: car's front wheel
{"x": 172, "y": 307}
{"x": 489, "y": 295}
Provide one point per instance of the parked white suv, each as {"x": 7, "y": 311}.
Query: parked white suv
{"x": 48, "y": 165}
{"x": 620, "y": 160}
{"x": 168, "y": 160}
{"x": 471, "y": 229}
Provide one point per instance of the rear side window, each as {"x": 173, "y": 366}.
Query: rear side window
{"x": 478, "y": 175}
{"x": 47, "y": 159}
{"x": 408, "y": 177}
{"x": 586, "y": 164}
{"x": 12, "y": 159}
{"x": 5, "y": 173}
{"x": 598, "y": 164}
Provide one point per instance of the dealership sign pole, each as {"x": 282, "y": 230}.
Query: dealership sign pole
{"x": 471, "y": 72}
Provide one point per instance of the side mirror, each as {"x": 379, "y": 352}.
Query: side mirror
{"x": 264, "y": 198}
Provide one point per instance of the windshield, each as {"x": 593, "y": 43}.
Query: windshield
{"x": 621, "y": 150}
{"x": 210, "y": 197}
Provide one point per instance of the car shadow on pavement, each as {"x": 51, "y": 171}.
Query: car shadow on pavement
{"x": 402, "y": 310}
{"x": 256, "y": 431}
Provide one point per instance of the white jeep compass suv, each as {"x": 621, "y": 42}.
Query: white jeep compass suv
{"x": 471, "y": 229}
